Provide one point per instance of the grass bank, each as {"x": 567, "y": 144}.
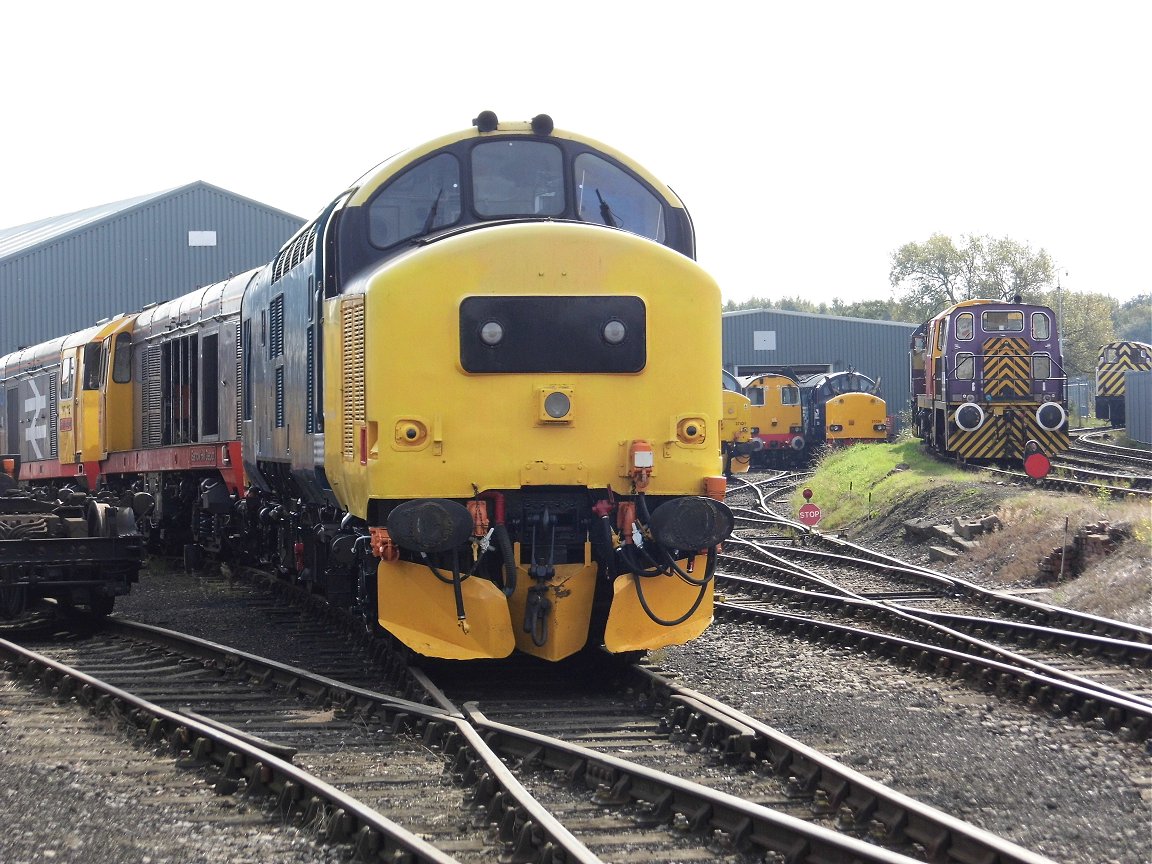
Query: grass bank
{"x": 869, "y": 492}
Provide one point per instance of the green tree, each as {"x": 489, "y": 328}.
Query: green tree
{"x": 1085, "y": 321}
{"x": 879, "y": 310}
{"x": 1133, "y": 319}
{"x": 929, "y": 276}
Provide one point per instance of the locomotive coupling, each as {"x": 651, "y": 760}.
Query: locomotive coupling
{"x": 430, "y": 525}
{"x": 691, "y": 523}
{"x": 747, "y": 448}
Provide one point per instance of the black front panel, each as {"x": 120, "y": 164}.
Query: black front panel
{"x": 553, "y": 334}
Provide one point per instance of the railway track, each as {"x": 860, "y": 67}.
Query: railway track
{"x": 1095, "y": 444}
{"x": 1072, "y": 664}
{"x": 643, "y": 771}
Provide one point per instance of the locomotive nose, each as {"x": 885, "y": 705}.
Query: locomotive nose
{"x": 691, "y": 523}
{"x": 430, "y": 525}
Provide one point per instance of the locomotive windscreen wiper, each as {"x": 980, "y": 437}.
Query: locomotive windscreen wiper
{"x": 606, "y": 212}
{"x": 432, "y": 214}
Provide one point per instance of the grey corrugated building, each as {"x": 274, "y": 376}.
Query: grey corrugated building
{"x": 63, "y": 274}
{"x": 756, "y": 338}
{"x": 1138, "y": 406}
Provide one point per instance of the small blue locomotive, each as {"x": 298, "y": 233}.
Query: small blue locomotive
{"x": 988, "y": 384}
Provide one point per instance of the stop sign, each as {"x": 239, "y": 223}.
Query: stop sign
{"x": 810, "y": 514}
{"x": 1037, "y": 466}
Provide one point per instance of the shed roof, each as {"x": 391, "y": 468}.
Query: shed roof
{"x": 736, "y": 313}
{"x": 23, "y": 238}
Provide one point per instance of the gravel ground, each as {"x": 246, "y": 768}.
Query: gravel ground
{"x": 77, "y": 789}
{"x": 1072, "y": 793}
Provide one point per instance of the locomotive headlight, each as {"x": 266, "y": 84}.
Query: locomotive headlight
{"x": 492, "y": 333}
{"x": 969, "y": 417}
{"x": 1050, "y": 416}
{"x": 614, "y": 332}
{"x": 555, "y": 405}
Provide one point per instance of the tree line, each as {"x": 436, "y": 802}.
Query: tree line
{"x": 928, "y": 277}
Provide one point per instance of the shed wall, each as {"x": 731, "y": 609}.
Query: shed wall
{"x": 1138, "y": 406}
{"x": 143, "y": 255}
{"x": 878, "y": 349}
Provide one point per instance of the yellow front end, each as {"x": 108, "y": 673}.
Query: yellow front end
{"x": 736, "y": 430}
{"x": 412, "y": 423}
{"x": 854, "y": 417}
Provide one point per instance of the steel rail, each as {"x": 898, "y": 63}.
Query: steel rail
{"x": 1131, "y": 718}
{"x": 920, "y": 626}
{"x": 348, "y": 818}
{"x": 738, "y": 824}
{"x": 858, "y": 801}
{"x": 508, "y": 804}
{"x": 998, "y": 600}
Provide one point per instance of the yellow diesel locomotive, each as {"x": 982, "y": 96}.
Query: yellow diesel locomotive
{"x": 843, "y": 408}
{"x": 474, "y": 399}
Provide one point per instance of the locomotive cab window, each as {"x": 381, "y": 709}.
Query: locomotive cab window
{"x": 607, "y": 195}
{"x": 965, "y": 366}
{"x": 1041, "y": 366}
{"x": 1002, "y": 321}
{"x": 517, "y": 178}
{"x": 1111, "y": 355}
{"x": 965, "y": 326}
{"x": 122, "y": 359}
{"x": 420, "y": 200}
{"x": 1041, "y": 326}
{"x": 66, "y": 377}
{"x": 789, "y": 395}
{"x": 92, "y": 366}
{"x": 756, "y": 395}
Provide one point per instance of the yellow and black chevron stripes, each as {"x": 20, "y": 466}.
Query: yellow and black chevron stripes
{"x": 1005, "y": 431}
{"x": 1007, "y": 366}
{"x": 1129, "y": 357}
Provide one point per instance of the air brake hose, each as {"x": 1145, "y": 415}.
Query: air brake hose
{"x": 508, "y": 553}
{"x": 500, "y": 531}
{"x": 695, "y": 605}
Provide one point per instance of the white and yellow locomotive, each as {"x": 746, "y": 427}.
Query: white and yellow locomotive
{"x": 474, "y": 398}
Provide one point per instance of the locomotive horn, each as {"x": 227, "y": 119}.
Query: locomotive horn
{"x": 430, "y": 525}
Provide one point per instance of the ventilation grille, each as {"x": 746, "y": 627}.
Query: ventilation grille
{"x": 279, "y": 397}
{"x": 310, "y": 389}
{"x": 352, "y": 372}
{"x": 239, "y": 383}
{"x": 151, "y": 398}
{"x": 293, "y": 254}
{"x": 53, "y": 408}
{"x": 276, "y": 327}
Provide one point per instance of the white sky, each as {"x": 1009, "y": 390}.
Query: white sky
{"x": 809, "y": 140}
